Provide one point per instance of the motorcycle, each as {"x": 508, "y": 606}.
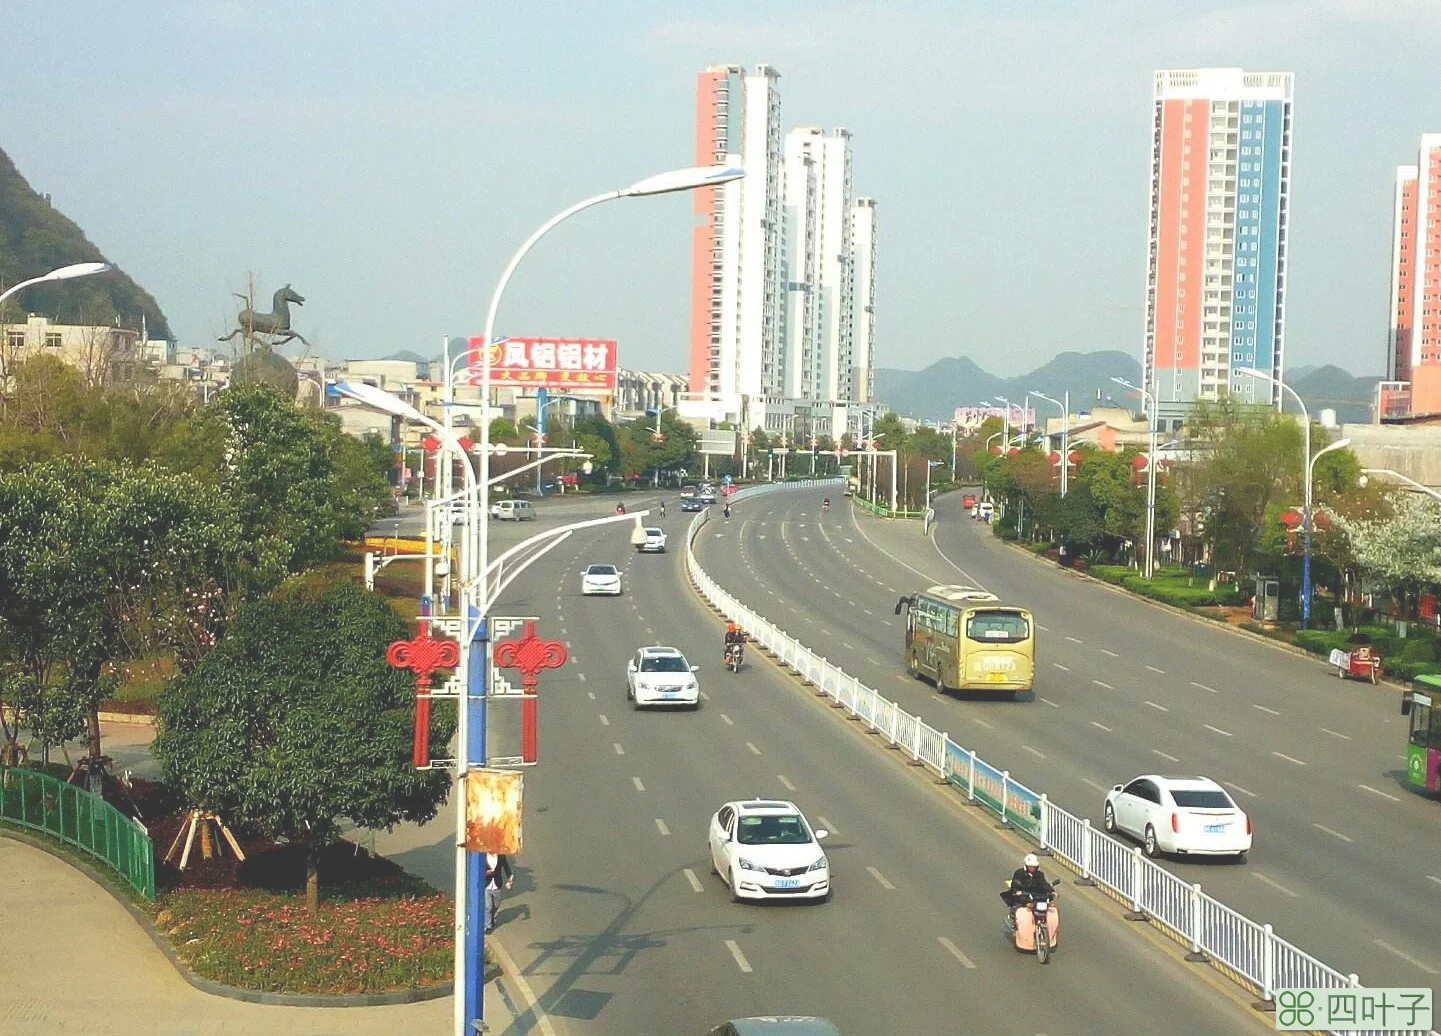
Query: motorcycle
{"x": 735, "y": 654}
{"x": 825, "y": 506}
{"x": 1032, "y": 923}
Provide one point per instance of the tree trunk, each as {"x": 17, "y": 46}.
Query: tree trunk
{"x": 95, "y": 733}
{"x": 312, "y": 880}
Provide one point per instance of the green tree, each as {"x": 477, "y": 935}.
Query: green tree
{"x": 295, "y": 722}
{"x": 1402, "y": 548}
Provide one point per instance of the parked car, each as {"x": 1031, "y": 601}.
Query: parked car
{"x": 654, "y": 542}
{"x": 600, "y": 579}
{"x": 661, "y": 676}
{"x": 512, "y": 510}
{"x": 1192, "y": 816}
{"x": 777, "y": 1025}
{"x": 766, "y": 849}
{"x": 691, "y": 503}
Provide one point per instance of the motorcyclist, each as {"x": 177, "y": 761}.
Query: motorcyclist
{"x": 1028, "y": 880}
{"x": 734, "y": 638}
{"x": 826, "y": 504}
{"x": 620, "y": 508}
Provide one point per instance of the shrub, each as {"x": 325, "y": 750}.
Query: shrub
{"x": 1038, "y": 548}
{"x": 1006, "y": 532}
{"x": 1117, "y": 574}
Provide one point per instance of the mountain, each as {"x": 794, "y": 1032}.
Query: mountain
{"x": 934, "y": 393}
{"x": 35, "y": 239}
{"x": 406, "y": 356}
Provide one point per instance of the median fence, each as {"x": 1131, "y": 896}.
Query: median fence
{"x": 75, "y": 816}
{"x": 1249, "y": 953}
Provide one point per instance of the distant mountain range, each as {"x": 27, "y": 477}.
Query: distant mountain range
{"x": 934, "y": 393}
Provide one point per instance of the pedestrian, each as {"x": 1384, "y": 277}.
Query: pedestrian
{"x": 727, "y": 510}
{"x": 497, "y": 872}
{"x": 662, "y": 508}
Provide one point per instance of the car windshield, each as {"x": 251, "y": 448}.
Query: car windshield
{"x": 1192, "y": 799}
{"x": 664, "y": 664}
{"x": 601, "y": 570}
{"x": 1006, "y": 627}
{"x": 785, "y": 829}
{"x": 654, "y": 534}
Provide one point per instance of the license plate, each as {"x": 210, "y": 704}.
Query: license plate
{"x": 1216, "y": 829}
{"x": 996, "y": 677}
{"x": 788, "y": 883}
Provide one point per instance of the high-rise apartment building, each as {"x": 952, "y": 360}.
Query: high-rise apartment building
{"x": 1413, "y": 348}
{"x": 736, "y": 252}
{"x": 863, "y": 307}
{"x": 1220, "y": 196}
{"x": 818, "y": 355}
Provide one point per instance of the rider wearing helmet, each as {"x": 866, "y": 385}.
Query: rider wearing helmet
{"x": 1028, "y": 880}
{"x": 734, "y": 637}
{"x": 826, "y": 504}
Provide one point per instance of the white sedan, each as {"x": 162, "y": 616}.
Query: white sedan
{"x": 661, "y": 676}
{"x": 600, "y": 579}
{"x": 765, "y": 849}
{"x": 654, "y": 542}
{"x": 1190, "y": 816}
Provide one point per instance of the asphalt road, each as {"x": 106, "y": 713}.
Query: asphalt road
{"x": 619, "y": 928}
{"x": 1344, "y": 851}
{"x": 553, "y": 509}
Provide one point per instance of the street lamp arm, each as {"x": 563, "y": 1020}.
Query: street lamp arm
{"x": 64, "y": 273}
{"x": 1406, "y": 479}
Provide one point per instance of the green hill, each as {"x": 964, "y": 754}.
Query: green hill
{"x": 35, "y": 239}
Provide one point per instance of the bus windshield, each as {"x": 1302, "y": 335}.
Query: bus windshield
{"x": 997, "y": 626}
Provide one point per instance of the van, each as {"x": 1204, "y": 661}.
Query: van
{"x": 512, "y": 510}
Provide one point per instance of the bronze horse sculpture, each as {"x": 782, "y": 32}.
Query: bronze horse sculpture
{"x": 276, "y": 323}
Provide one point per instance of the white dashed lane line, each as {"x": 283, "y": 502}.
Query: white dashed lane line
{"x": 1062, "y": 668}
{"x": 1049, "y": 702}
{"x": 1275, "y": 885}
{"x": 880, "y": 878}
{"x": 1332, "y": 833}
{"x": 827, "y": 826}
{"x": 1243, "y": 791}
{"x": 981, "y": 722}
{"x": 1099, "y": 683}
{"x": 660, "y": 826}
{"x": 1343, "y": 737}
{"x": 753, "y": 748}
{"x": 1289, "y": 759}
{"x": 694, "y": 881}
{"x": 1204, "y": 687}
{"x": 591, "y": 694}
{"x": 1163, "y": 755}
{"x": 1155, "y": 670}
{"x": 639, "y": 786}
{"x": 1155, "y": 706}
{"x": 1093, "y": 784}
{"x": 618, "y": 749}
{"x": 1377, "y": 791}
{"x": 605, "y": 722}
{"x": 1216, "y": 730}
{"x": 1107, "y": 651}
{"x": 740, "y": 958}
{"x": 1263, "y": 708}
{"x": 580, "y": 677}
{"x": 785, "y": 783}
{"x": 1405, "y": 956}
{"x": 728, "y": 721}
{"x": 951, "y": 948}
{"x": 1102, "y": 726}
{"x": 1034, "y": 752}
{"x": 1075, "y": 640}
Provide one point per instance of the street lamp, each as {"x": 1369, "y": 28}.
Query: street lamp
{"x": 1148, "y": 401}
{"x": 1252, "y": 372}
{"x": 1065, "y": 432}
{"x": 468, "y": 1001}
{"x": 64, "y": 273}
{"x": 929, "y": 465}
{"x": 1406, "y": 479}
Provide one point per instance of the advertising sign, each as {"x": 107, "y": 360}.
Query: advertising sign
{"x": 493, "y": 811}
{"x": 574, "y": 364}
{"x": 973, "y": 416}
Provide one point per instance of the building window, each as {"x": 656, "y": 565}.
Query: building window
{"x": 52, "y": 341}
{"x": 15, "y": 339}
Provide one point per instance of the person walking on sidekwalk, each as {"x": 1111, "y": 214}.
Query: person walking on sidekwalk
{"x": 498, "y": 872}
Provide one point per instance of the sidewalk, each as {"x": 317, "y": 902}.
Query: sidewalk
{"x": 76, "y": 962}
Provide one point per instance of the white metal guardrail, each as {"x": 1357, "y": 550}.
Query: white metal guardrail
{"x": 1249, "y": 953}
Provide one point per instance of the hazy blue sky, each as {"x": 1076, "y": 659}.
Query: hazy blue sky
{"x": 386, "y": 158}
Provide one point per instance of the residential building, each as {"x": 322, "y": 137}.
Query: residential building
{"x": 1216, "y": 273}
{"x": 1413, "y": 346}
{"x": 863, "y": 300}
{"x": 736, "y": 250}
{"x": 639, "y": 391}
{"x": 96, "y": 351}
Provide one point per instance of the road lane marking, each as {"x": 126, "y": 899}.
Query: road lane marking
{"x": 956, "y": 953}
{"x": 867, "y": 611}
{"x": 1204, "y": 687}
{"x": 704, "y": 696}
{"x": 848, "y": 644}
{"x": 591, "y": 694}
{"x": 826, "y": 825}
{"x": 1155, "y": 670}
{"x": 1343, "y": 737}
{"x": 826, "y": 633}
{"x": 728, "y": 721}
{"x": 1107, "y": 686}
{"x": 1406, "y": 957}
{"x": 1289, "y": 759}
{"x": 694, "y": 881}
{"x": 580, "y": 677}
{"x": 1038, "y": 755}
{"x": 1107, "y": 651}
{"x": 740, "y": 958}
{"x": 660, "y": 826}
{"x": 785, "y": 783}
{"x": 1333, "y": 834}
{"x": 1102, "y": 726}
{"x": 1062, "y": 668}
{"x": 1263, "y": 708}
{"x": 1050, "y": 703}
{"x": 604, "y": 721}
{"x": 1432, "y": 877}
{"x": 977, "y": 719}
{"x": 1075, "y": 640}
{"x": 872, "y": 661}
{"x": 563, "y": 630}
{"x": 1237, "y": 787}
{"x": 1043, "y": 629}
{"x": 881, "y": 878}
{"x": 509, "y": 969}
{"x": 1216, "y": 730}
{"x": 638, "y": 785}
{"x": 1275, "y": 885}
{"x": 1155, "y": 706}
{"x": 753, "y": 748}
{"x": 618, "y": 749}
{"x": 567, "y": 645}
{"x": 1375, "y": 791}
{"x": 1163, "y": 755}
{"x": 1087, "y": 780}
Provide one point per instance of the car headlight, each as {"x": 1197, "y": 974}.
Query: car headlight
{"x": 694, "y": 685}
{"x": 746, "y": 865}
{"x": 819, "y": 865}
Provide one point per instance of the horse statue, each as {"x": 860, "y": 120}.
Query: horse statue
{"x": 276, "y": 323}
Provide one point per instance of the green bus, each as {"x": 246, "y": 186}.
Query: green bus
{"x": 1423, "y": 743}
{"x": 965, "y": 639}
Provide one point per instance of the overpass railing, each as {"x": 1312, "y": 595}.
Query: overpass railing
{"x": 1248, "y": 952}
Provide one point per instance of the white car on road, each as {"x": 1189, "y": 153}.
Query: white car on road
{"x": 766, "y": 849}
{"x": 654, "y": 542}
{"x": 1192, "y": 816}
{"x": 661, "y": 676}
{"x": 600, "y": 579}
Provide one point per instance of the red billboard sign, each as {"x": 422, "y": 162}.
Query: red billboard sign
{"x": 561, "y": 363}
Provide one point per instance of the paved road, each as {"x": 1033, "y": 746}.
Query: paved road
{"x": 1343, "y": 851}
{"x": 551, "y": 510}
{"x": 620, "y": 928}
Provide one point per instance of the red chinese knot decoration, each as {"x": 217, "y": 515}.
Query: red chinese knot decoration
{"x": 530, "y": 655}
{"x": 423, "y": 656}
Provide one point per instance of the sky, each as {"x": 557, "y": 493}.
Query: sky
{"x": 387, "y": 158}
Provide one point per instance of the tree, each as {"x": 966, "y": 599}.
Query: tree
{"x": 295, "y": 722}
{"x": 1402, "y": 549}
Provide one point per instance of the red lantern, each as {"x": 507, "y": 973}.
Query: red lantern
{"x": 430, "y": 444}
{"x": 423, "y": 656}
{"x": 1139, "y": 462}
{"x": 1291, "y": 518}
{"x": 1055, "y": 457}
{"x": 530, "y": 655}
{"x": 466, "y": 443}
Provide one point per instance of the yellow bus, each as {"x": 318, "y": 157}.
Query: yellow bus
{"x": 965, "y": 639}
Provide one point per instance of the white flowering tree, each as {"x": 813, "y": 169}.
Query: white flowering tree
{"x": 1403, "y": 550}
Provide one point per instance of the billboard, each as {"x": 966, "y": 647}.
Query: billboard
{"x": 968, "y": 417}
{"x": 492, "y": 811}
{"x": 574, "y": 364}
